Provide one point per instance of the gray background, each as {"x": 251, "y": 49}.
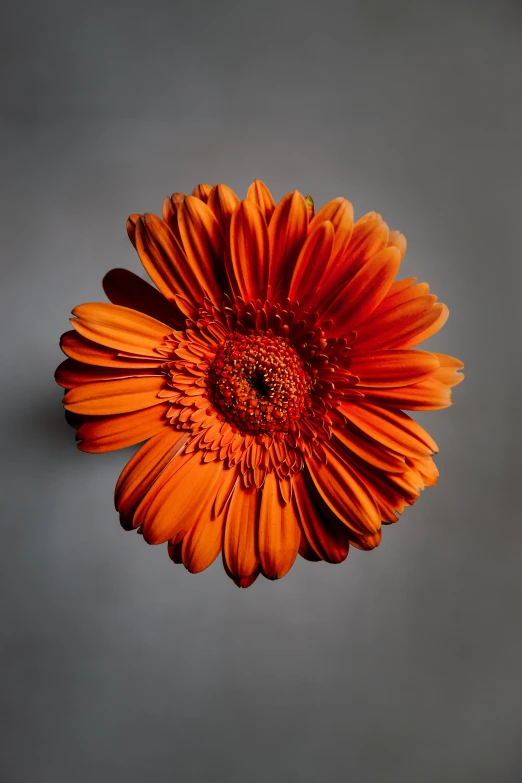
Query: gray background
{"x": 399, "y": 665}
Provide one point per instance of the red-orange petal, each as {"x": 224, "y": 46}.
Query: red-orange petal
{"x": 312, "y": 263}
{"x": 278, "y": 532}
{"x": 350, "y": 439}
{"x": 202, "y": 192}
{"x": 77, "y": 347}
{"x": 120, "y": 328}
{"x": 356, "y": 301}
{"x": 428, "y": 395}
{"x": 170, "y": 213}
{"x": 71, "y": 373}
{"x": 204, "y": 246}
{"x": 102, "y": 398}
{"x": 369, "y": 236}
{"x": 339, "y": 211}
{"x": 249, "y": 251}
{"x": 164, "y": 258}
{"x": 394, "y": 429}
{"x": 427, "y": 469}
{"x": 131, "y": 227}
{"x": 223, "y": 201}
{"x": 204, "y": 540}
{"x": 448, "y": 371}
{"x": 393, "y": 368}
{"x": 398, "y": 240}
{"x": 239, "y": 545}
{"x": 394, "y": 327}
{"x": 344, "y": 492}
{"x": 178, "y": 503}
{"x": 108, "y": 433}
{"x": 145, "y": 466}
{"x": 286, "y": 232}
{"x": 367, "y": 542}
{"x": 430, "y": 329}
{"x": 324, "y": 534}
{"x": 260, "y": 195}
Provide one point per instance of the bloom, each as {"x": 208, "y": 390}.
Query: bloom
{"x": 267, "y": 372}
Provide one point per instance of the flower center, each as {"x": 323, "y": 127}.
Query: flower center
{"x": 258, "y": 383}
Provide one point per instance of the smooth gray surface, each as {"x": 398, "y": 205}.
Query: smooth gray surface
{"x": 399, "y": 665}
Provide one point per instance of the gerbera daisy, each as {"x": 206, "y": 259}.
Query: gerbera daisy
{"x": 267, "y": 372}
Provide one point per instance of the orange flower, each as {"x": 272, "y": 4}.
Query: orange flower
{"x": 267, "y": 372}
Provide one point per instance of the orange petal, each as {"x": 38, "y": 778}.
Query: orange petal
{"x": 117, "y": 432}
{"x": 77, "y": 347}
{"x": 398, "y": 240}
{"x": 351, "y": 439}
{"x": 260, "y": 195}
{"x": 145, "y": 466}
{"x": 204, "y": 541}
{"x": 223, "y": 201}
{"x": 178, "y": 503}
{"x": 427, "y": 469}
{"x": 131, "y": 227}
{"x": 121, "y": 396}
{"x": 164, "y": 259}
{"x": 306, "y": 551}
{"x": 356, "y": 301}
{"x": 241, "y": 581}
{"x": 428, "y": 395}
{"x": 71, "y": 373}
{"x": 395, "y": 430}
{"x": 448, "y": 373}
{"x": 324, "y": 534}
{"x": 432, "y": 327}
{"x": 400, "y": 293}
{"x": 287, "y": 233}
{"x": 393, "y": 368}
{"x": 344, "y": 492}
{"x": 128, "y": 290}
{"x": 312, "y": 263}
{"x": 249, "y": 251}
{"x": 170, "y": 213}
{"x": 239, "y": 546}
{"x": 120, "y": 328}
{"x": 392, "y": 328}
{"x": 174, "y": 550}
{"x": 370, "y": 235}
{"x": 278, "y": 533}
{"x": 367, "y": 542}
{"x": 392, "y": 490}
{"x": 339, "y": 212}
{"x": 204, "y": 246}
{"x": 202, "y": 192}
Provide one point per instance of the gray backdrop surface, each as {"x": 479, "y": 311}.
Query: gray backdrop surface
{"x": 402, "y": 664}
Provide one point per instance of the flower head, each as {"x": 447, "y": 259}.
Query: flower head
{"x": 267, "y": 372}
